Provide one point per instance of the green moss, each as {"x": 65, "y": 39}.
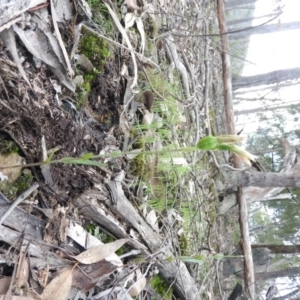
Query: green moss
{"x": 14, "y": 189}
{"x": 8, "y": 147}
{"x": 87, "y": 86}
{"x": 81, "y": 98}
{"x": 137, "y": 165}
{"x": 183, "y": 243}
{"x": 94, "y": 48}
{"x": 161, "y": 287}
{"x": 97, "y": 51}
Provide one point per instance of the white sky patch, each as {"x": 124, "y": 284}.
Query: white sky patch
{"x": 270, "y": 52}
{"x": 278, "y": 50}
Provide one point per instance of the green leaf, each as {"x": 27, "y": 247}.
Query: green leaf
{"x": 116, "y": 154}
{"x": 78, "y": 161}
{"x": 47, "y": 161}
{"x": 192, "y": 259}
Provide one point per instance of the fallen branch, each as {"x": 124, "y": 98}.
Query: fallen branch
{"x": 96, "y": 206}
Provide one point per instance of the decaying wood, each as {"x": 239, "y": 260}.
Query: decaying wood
{"x": 8, "y": 38}
{"x": 41, "y": 252}
{"x": 10, "y": 10}
{"x": 18, "y": 218}
{"x": 97, "y": 206}
{"x": 243, "y": 210}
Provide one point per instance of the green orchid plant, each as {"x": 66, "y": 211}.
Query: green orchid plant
{"x": 226, "y": 142}
{"x": 221, "y": 142}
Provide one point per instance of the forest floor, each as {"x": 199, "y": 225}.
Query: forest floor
{"x": 174, "y": 193}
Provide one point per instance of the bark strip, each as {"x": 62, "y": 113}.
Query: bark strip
{"x": 243, "y": 211}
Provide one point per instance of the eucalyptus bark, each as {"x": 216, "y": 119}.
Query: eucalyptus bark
{"x": 279, "y": 249}
{"x": 261, "y": 179}
{"x": 280, "y": 273}
{"x": 273, "y": 77}
{"x": 243, "y": 210}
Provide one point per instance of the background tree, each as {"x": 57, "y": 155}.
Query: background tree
{"x": 273, "y": 77}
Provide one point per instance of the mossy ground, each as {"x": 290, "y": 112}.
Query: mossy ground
{"x": 8, "y": 147}
{"x": 97, "y": 50}
{"x": 14, "y": 189}
{"x": 161, "y": 287}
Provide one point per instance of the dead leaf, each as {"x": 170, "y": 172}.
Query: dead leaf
{"x": 147, "y": 118}
{"x": 4, "y": 285}
{"x": 139, "y": 285}
{"x": 86, "y": 277}
{"x": 134, "y": 153}
{"x": 59, "y": 287}
{"x": 43, "y": 275}
{"x": 8, "y": 38}
{"x": 100, "y": 252}
{"x": 64, "y": 10}
{"x": 19, "y": 298}
{"x": 22, "y": 275}
{"x": 152, "y": 220}
{"x": 132, "y": 4}
{"x": 140, "y": 27}
{"x": 60, "y": 41}
{"x": 39, "y": 44}
{"x": 129, "y": 20}
{"x": 86, "y": 240}
{"x": 10, "y": 11}
{"x": 126, "y": 38}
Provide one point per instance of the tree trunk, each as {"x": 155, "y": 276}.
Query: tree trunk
{"x": 288, "y": 296}
{"x": 261, "y": 229}
{"x": 276, "y": 274}
{"x": 265, "y": 79}
{"x": 280, "y": 249}
{"x": 265, "y": 109}
{"x": 261, "y": 179}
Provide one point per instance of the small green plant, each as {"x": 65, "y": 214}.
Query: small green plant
{"x": 13, "y": 189}
{"x": 96, "y": 49}
{"x": 161, "y": 287}
{"x": 222, "y": 142}
{"x": 226, "y": 143}
{"x": 7, "y": 147}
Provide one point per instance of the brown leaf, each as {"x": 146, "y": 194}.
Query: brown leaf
{"x": 139, "y": 285}
{"x": 132, "y": 4}
{"x": 100, "y": 252}
{"x": 19, "y": 297}
{"x": 59, "y": 287}
{"x": 4, "y": 285}
{"x": 86, "y": 277}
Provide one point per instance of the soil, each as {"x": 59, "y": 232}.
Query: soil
{"x": 27, "y": 116}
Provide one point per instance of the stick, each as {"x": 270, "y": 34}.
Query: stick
{"x": 21, "y": 198}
